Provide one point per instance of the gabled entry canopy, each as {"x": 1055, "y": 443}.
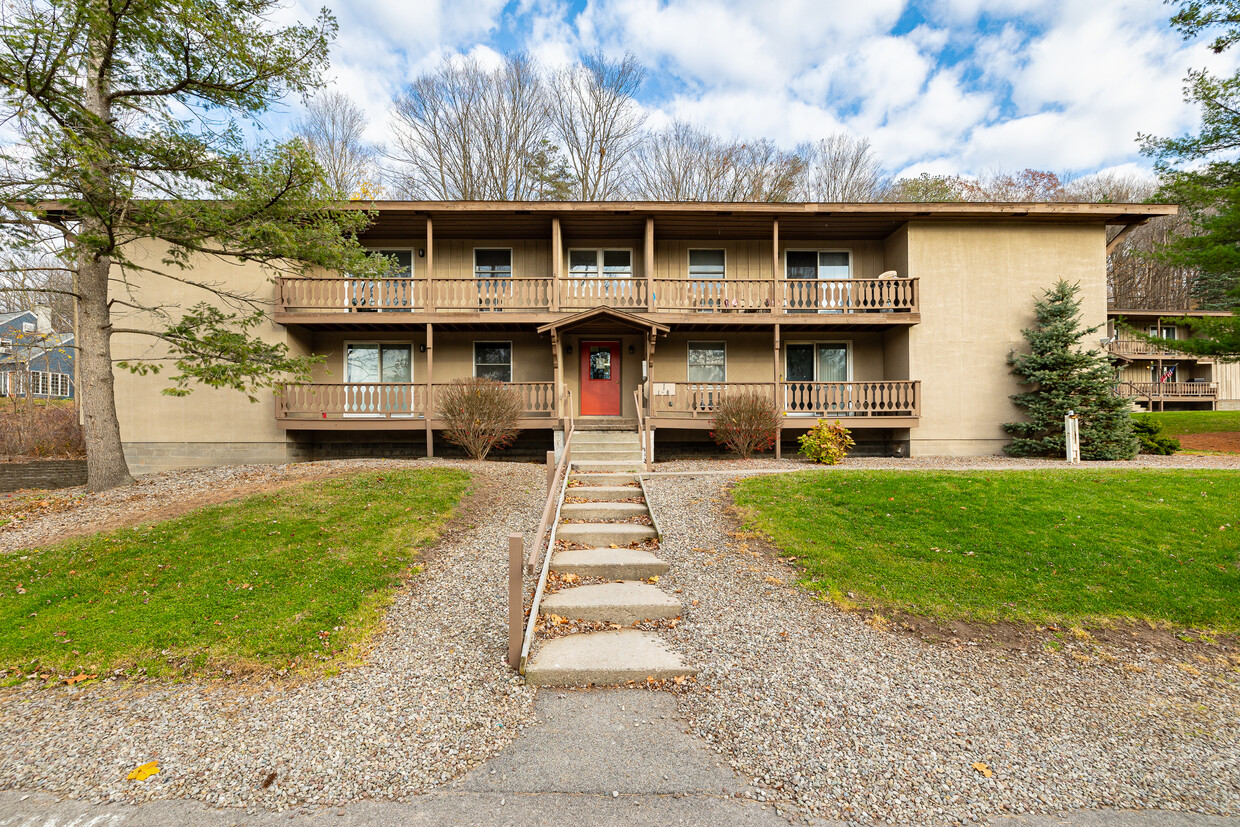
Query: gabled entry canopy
{"x": 603, "y": 320}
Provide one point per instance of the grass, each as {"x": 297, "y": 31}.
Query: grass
{"x": 1177, "y": 423}
{"x": 293, "y": 579}
{"x": 1032, "y": 546}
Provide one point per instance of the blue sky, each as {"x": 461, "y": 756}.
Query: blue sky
{"x": 946, "y": 86}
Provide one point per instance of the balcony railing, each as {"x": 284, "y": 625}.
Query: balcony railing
{"x": 831, "y": 399}
{"x": 1204, "y": 391}
{"x": 1145, "y": 350}
{"x": 390, "y": 400}
{"x": 572, "y": 293}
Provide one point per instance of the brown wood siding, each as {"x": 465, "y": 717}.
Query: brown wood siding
{"x": 455, "y": 258}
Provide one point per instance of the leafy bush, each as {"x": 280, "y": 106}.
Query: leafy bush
{"x": 41, "y": 430}
{"x": 479, "y": 415}
{"x": 827, "y": 443}
{"x": 746, "y": 422}
{"x": 1153, "y": 441}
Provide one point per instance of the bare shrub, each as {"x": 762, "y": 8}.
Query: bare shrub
{"x": 41, "y": 430}
{"x": 746, "y": 422}
{"x": 479, "y": 415}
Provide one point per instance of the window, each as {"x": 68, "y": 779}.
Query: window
{"x": 1165, "y": 332}
{"x": 376, "y": 295}
{"x": 493, "y": 360}
{"x": 28, "y": 327}
{"x": 600, "y": 263}
{"x": 378, "y": 375}
{"x": 1168, "y": 373}
{"x": 708, "y": 362}
{"x": 14, "y": 383}
{"x": 6, "y": 345}
{"x": 827, "y": 267}
{"x": 706, "y": 264}
{"x": 493, "y": 271}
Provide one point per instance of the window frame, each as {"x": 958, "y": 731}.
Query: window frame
{"x": 848, "y": 346}
{"x": 689, "y": 261}
{"x": 689, "y": 364}
{"x": 512, "y": 354}
{"x": 598, "y": 272}
{"x": 512, "y": 263}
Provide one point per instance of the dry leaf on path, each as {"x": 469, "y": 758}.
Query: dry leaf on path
{"x": 144, "y": 772}
{"x": 983, "y": 769}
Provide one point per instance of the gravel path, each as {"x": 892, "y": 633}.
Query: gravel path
{"x": 433, "y": 700}
{"x": 856, "y": 723}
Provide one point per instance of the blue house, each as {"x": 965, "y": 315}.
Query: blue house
{"x": 34, "y": 357}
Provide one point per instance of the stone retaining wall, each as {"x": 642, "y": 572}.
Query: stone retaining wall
{"x": 42, "y": 473}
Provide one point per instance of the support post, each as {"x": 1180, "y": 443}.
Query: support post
{"x": 651, "y": 339}
{"x": 550, "y": 470}
{"x": 779, "y": 431}
{"x": 430, "y": 388}
{"x": 650, "y": 452}
{"x": 777, "y": 293}
{"x": 558, "y": 376}
{"x": 648, "y": 263}
{"x": 557, "y": 262}
{"x": 516, "y": 597}
{"x": 430, "y": 268}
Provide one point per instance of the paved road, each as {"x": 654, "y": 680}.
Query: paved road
{"x": 605, "y": 758}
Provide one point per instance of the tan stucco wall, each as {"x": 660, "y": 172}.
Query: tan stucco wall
{"x": 210, "y": 426}
{"x": 978, "y": 287}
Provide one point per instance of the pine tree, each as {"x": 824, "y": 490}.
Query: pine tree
{"x": 1067, "y": 378}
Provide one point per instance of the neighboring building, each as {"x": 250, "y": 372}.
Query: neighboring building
{"x": 1158, "y": 378}
{"x": 35, "y": 359}
{"x": 895, "y": 318}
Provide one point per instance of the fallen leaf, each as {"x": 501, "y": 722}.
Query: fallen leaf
{"x": 983, "y": 769}
{"x": 654, "y": 578}
{"x": 144, "y": 772}
{"x": 79, "y": 679}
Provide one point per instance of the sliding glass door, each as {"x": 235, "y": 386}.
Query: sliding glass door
{"x": 371, "y": 370}
{"x": 806, "y": 366}
{"x": 826, "y": 269}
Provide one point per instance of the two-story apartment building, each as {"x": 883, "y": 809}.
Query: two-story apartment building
{"x": 1159, "y": 378}
{"x": 895, "y": 318}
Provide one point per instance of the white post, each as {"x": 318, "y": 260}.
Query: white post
{"x": 1072, "y": 437}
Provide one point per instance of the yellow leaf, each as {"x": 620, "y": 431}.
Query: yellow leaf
{"x": 144, "y": 772}
{"x": 983, "y": 769}
{"x": 654, "y": 578}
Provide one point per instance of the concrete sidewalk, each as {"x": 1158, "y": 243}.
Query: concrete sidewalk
{"x": 612, "y": 758}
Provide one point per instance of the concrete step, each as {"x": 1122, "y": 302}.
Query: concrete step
{"x": 604, "y": 493}
{"x": 604, "y": 658}
{"x": 608, "y": 466}
{"x": 609, "y": 563}
{"x": 625, "y": 603}
{"x": 603, "y": 511}
{"x": 606, "y": 454}
{"x": 604, "y": 534}
{"x": 581, "y": 438}
{"x": 603, "y": 478}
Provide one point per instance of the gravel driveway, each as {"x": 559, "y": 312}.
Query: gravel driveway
{"x": 855, "y": 723}
{"x": 433, "y": 700}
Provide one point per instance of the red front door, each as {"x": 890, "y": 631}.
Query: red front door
{"x": 600, "y": 378}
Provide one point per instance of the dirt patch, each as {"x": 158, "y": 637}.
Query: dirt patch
{"x": 1226, "y": 442}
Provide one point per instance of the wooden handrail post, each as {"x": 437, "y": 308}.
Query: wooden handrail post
{"x": 516, "y": 597}
{"x": 550, "y": 470}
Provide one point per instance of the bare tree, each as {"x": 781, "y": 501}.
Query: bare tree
{"x": 595, "y": 118}
{"x": 334, "y": 127}
{"x": 686, "y": 163}
{"x": 470, "y": 133}
{"x": 841, "y": 168}
{"x": 29, "y": 280}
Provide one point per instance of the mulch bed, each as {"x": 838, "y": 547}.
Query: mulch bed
{"x": 1227, "y": 442}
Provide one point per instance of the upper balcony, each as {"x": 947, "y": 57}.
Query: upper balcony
{"x": 1138, "y": 349}
{"x": 886, "y": 300}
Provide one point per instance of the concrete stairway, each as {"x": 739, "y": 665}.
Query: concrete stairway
{"x": 601, "y": 483}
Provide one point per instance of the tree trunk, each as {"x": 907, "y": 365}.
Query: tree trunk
{"x": 105, "y": 457}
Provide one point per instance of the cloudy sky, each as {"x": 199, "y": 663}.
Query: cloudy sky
{"x": 941, "y": 86}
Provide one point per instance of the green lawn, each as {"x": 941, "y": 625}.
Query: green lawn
{"x": 296, "y": 578}
{"x": 1039, "y": 546}
{"x": 1176, "y": 423}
